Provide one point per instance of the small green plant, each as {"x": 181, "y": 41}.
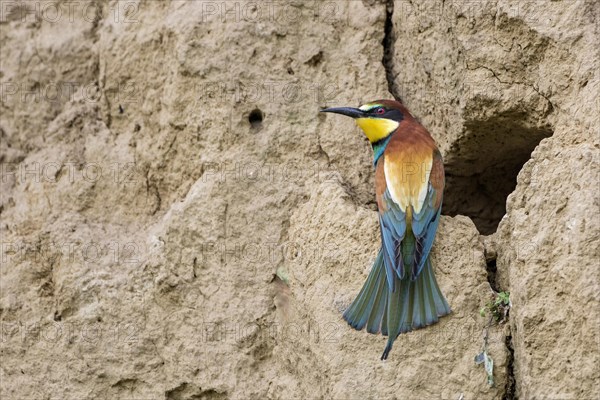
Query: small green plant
{"x": 497, "y": 308}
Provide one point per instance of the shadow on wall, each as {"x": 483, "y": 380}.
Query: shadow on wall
{"x": 482, "y": 167}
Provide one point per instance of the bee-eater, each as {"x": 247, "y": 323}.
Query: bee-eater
{"x": 401, "y": 292}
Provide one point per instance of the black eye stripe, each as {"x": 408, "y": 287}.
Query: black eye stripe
{"x": 388, "y": 113}
{"x": 394, "y": 114}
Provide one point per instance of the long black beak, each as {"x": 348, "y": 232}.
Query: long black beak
{"x": 348, "y": 111}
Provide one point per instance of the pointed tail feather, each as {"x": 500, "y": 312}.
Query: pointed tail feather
{"x": 370, "y": 304}
{"x": 414, "y": 304}
{"x": 419, "y": 303}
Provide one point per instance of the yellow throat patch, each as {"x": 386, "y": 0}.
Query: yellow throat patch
{"x": 376, "y": 129}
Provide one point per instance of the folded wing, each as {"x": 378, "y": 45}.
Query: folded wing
{"x": 407, "y": 253}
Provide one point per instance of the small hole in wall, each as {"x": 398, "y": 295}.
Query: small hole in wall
{"x": 255, "y": 118}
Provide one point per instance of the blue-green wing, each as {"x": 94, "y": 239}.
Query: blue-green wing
{"x": 392, "y": 222}
{"x": 425, "y": 223}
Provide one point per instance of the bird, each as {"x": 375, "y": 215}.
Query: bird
{"x": 401, "y": 292}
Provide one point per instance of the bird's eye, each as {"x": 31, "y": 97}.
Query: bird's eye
{"x": 380, "y": 110}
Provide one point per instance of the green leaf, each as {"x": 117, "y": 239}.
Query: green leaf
{"x": 503, "y": 298}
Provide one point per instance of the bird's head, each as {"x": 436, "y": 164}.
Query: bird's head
{"x": 377, "y": 119}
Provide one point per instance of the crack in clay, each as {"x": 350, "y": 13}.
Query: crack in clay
{"x": 101, "y": 86}
{"x": 321, "y": 150}
{"x": 490, "y": 255}
{"x": 154, "y": 187}
{"x": 389, "y": 38}
{"x": 511, "y": 382}
{"x": 552, "y": 107}
{"x": 99, "y": 67}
